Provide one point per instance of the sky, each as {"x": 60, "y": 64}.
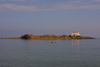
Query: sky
{"x": 41, "y": 17}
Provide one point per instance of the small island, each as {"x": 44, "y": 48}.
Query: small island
{"x": 74, "y": 35}
{"x": 49, "y": 36}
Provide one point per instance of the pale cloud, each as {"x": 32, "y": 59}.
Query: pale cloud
{"x": 76, "y": 2}
{"x": 17, "y": 0}
{"x": 61, "y": 6}
{"x": 12, "y": 7}
{"x": 3, "y": 0}
{"x": 96, "y": 0}
{"x": 22, "y": 0}
{"x": 71, "y": 6}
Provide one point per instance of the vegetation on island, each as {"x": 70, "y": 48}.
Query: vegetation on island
{"x": 51, "y": 36}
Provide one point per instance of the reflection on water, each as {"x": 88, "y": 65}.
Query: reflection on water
{"x": 75, "y": 49}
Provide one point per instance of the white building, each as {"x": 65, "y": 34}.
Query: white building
{"x": 75, "y": 34}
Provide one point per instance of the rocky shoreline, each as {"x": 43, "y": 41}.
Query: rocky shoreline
{"x": 50, "y": 36}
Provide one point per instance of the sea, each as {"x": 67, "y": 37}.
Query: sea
{"x": 50, "y": 53}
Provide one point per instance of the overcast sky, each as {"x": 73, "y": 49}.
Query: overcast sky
{"x": 40, "y": 17}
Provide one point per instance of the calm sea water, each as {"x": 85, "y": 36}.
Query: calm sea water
{"x": 43, "y": 53}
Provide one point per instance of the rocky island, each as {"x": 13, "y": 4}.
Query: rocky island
{"x": 49, "y": 36}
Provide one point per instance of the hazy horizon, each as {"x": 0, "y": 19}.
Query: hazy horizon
{"x": 41, "y": 17}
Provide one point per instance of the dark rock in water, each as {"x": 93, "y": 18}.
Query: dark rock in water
{"x": 51, "y": 41}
